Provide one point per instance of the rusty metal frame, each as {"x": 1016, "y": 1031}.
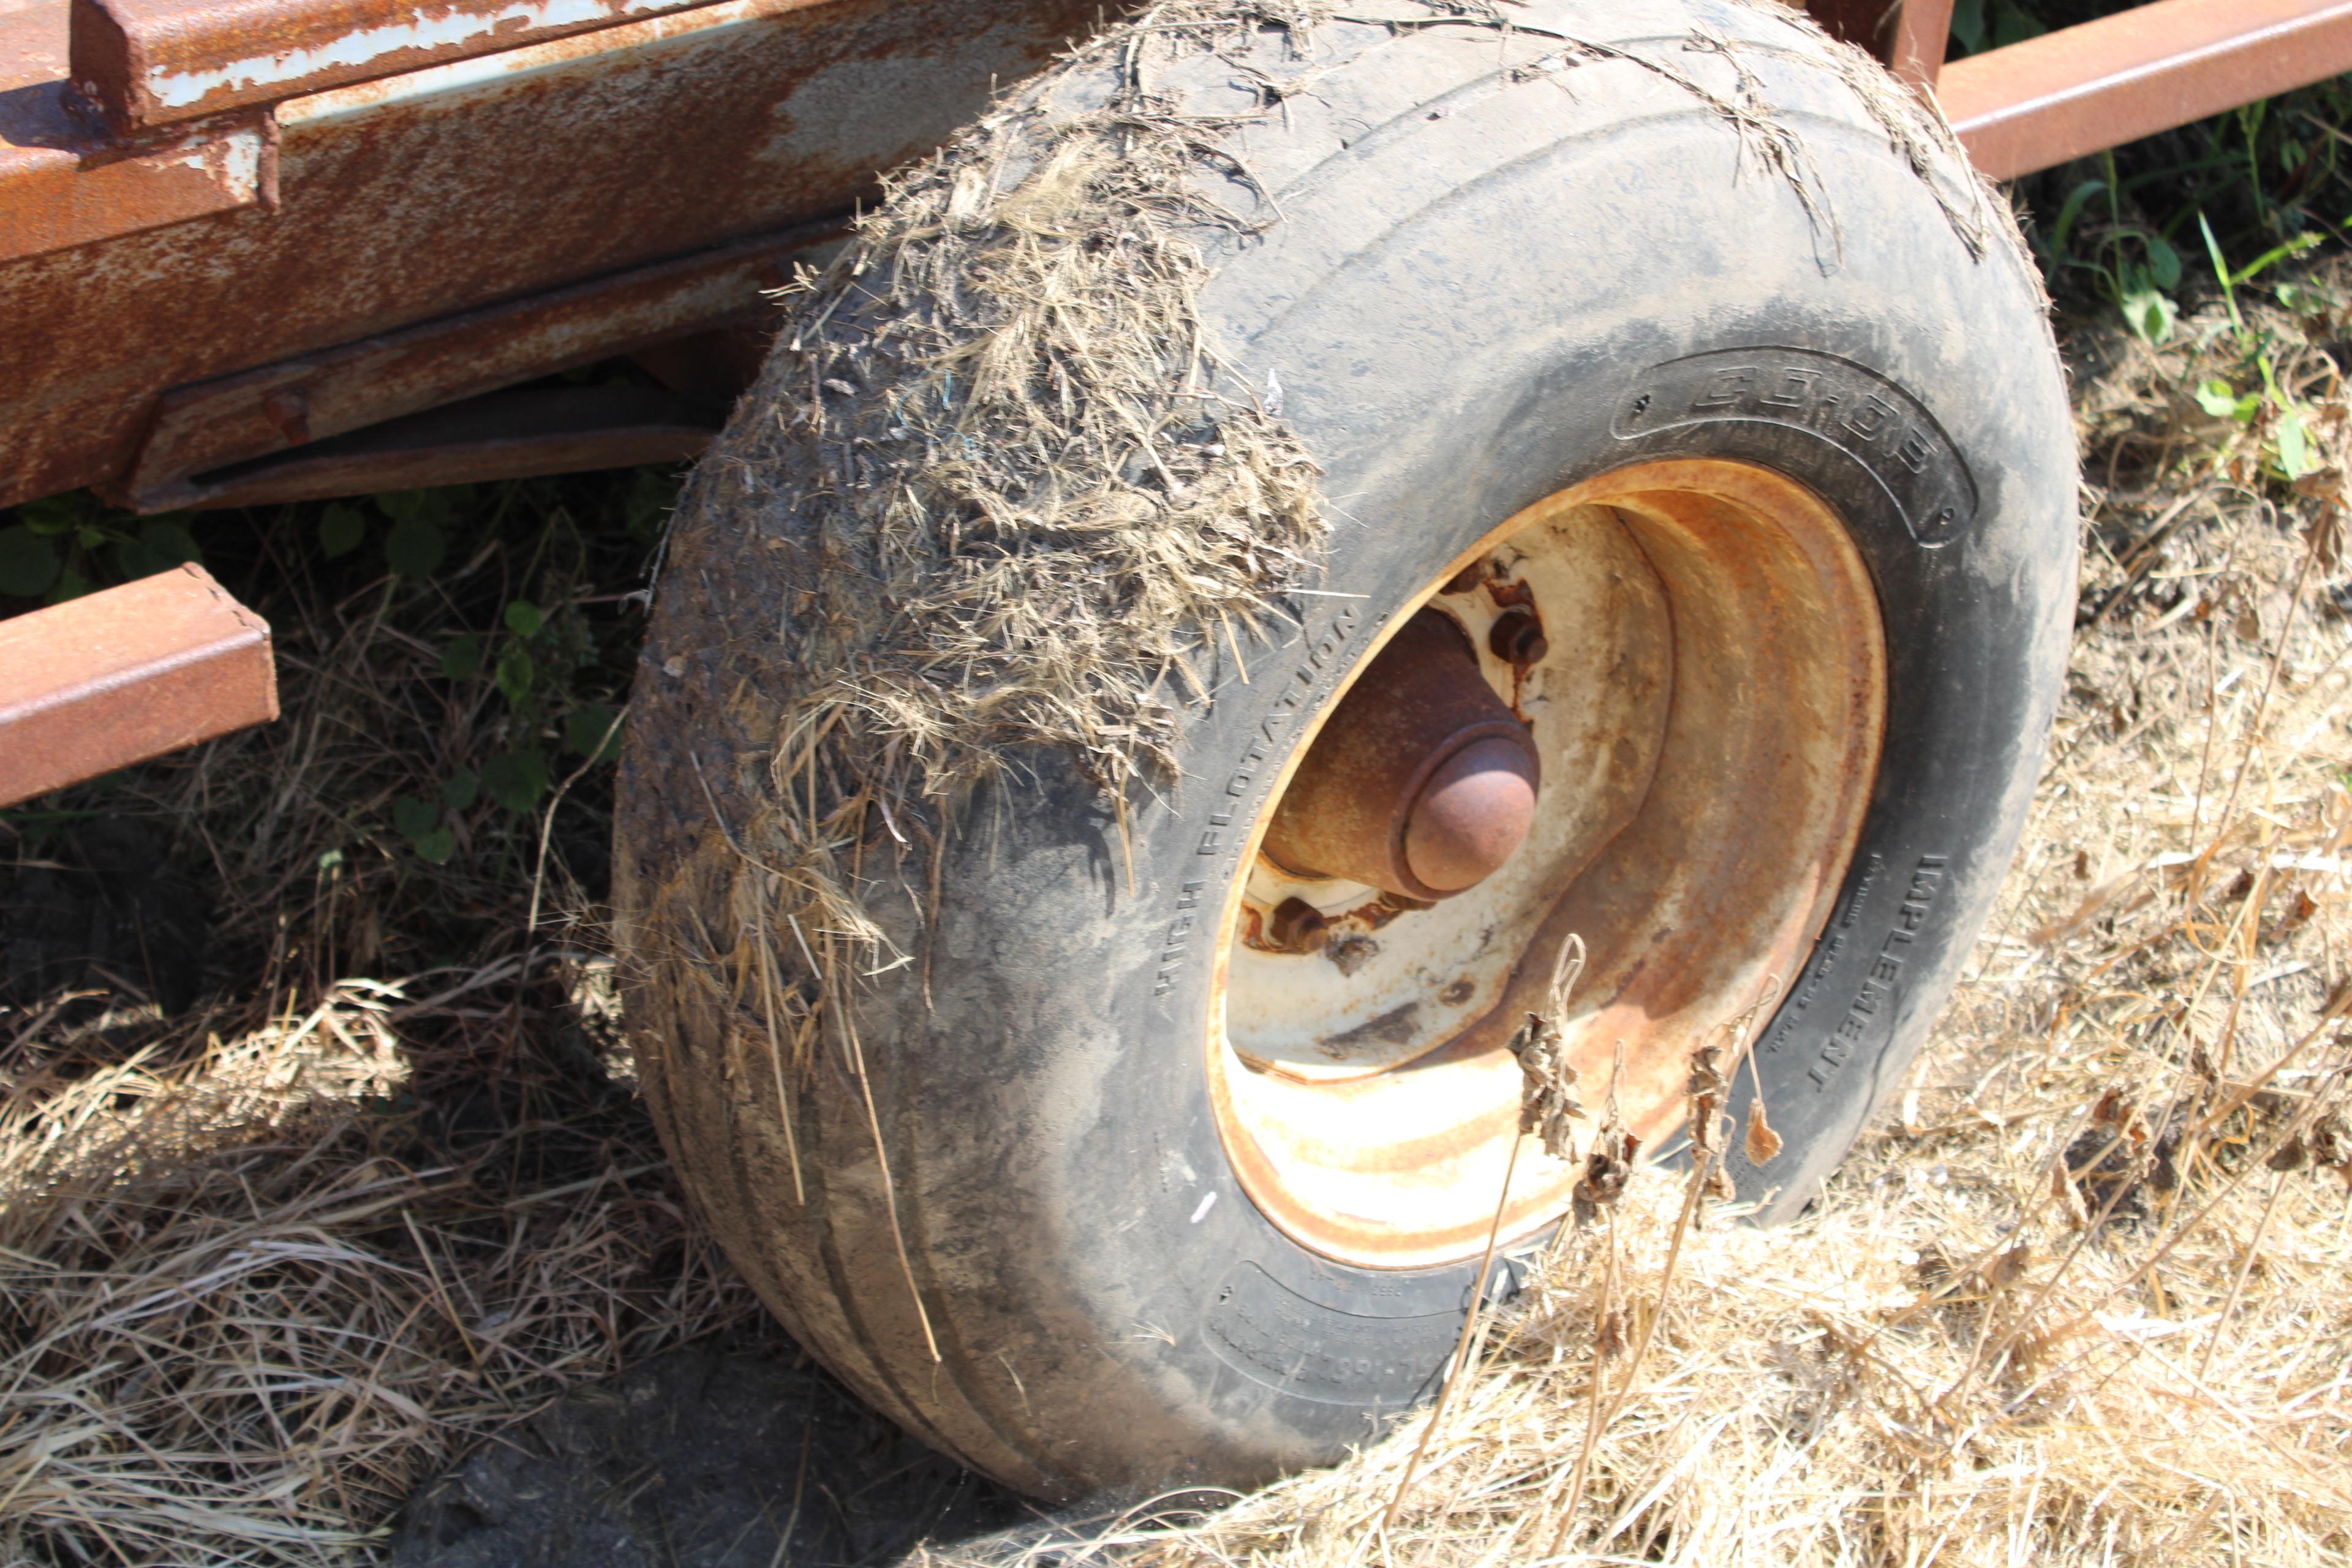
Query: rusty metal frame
{"x": 225, "y": 188}
{"x": 2042, "y": 102}
{"x": 284, "y": 407}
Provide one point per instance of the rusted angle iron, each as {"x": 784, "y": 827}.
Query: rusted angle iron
{"x": 2085, "y": 88}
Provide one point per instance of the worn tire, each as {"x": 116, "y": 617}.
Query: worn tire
{"x": 1489, "y": 279}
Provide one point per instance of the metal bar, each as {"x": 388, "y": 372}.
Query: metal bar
{"x": 1864, "y": 23}
{"x": 500, "y": 435}
{"x": 1923, "y": 36}
{"x": 232, "y": 418}
{"x": 1909, "y": 35}
{"x": 100, "y": 682}
{"x": 2085, "y": 88}
{"x": 144, "y": 63}
{"x": 469, "y": 185}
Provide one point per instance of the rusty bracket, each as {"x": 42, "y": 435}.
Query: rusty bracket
{"x": 114, "y": 678}
{"x": 64, "y": 183}
{"x": 57, "y": 196}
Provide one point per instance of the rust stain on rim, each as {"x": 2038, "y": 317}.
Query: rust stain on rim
{"x": 1705, "y": 898}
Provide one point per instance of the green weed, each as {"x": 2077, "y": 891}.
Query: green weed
{"x": 64, "y": 546}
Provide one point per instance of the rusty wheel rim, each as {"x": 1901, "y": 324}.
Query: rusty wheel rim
{"x": 1704, "y": 682}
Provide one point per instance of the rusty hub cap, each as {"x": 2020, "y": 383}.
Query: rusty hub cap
{"x": 1681, "y": 784}
{"x": 1422, "y": 780}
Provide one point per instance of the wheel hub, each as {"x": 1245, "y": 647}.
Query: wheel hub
{"x": 1423, "y": 783}
{"x": 1709, "y": 739}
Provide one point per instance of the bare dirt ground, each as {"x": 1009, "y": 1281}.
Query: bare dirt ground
{"x": 284, "y": 1233}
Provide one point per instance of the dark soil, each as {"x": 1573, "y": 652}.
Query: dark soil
{"x": 699, "y": 1458}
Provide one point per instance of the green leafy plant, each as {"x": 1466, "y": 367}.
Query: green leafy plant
{"x": 416, "y": 544}
{"x": 2134, "y": 266}
{"x": 2279, "y": 422}
{"x": 62, "y": 547}
{"x": 537, "y": 655}
{"x": 1981, "y": 25}
{"x": 342, "y": 529}
{"x": 420, "y": 823}
{"x": 515, "y": 780}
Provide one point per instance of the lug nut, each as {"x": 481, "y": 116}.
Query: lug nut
{"x": 1297, "y": 926}
{"x": 1516, "y": 637}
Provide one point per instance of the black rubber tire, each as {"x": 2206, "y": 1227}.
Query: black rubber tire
{"x": 1485, "y": 284}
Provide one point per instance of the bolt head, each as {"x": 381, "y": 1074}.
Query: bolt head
{"x": 1297, "y": 926}
{"x": 1516, "y": 637}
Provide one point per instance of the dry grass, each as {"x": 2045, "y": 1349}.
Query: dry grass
{"x": 272, "y": 1257}
{"x": 247, "y": 1309}
{"x": 271, "y": 1263}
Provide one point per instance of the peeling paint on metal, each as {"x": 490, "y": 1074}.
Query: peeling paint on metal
{"x": 349, "y": 56}
{"x": 54, "y": 199}
{"x": 456, "y": 76}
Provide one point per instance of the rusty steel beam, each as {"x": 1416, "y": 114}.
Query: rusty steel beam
{"x": 145, "y": 63}
{"x": 2083, "y": 90}
{"x": 58, "y": 190}
{"x": 470, "y": 186}
{"x": 234, "y": 419}
{"x": 503, "y": 435}
{"x": 1923, "y": 36}
{"x": 1865, "y": 24}
{"x": 1909, "y": 35}
{"x": 111, "y": 678}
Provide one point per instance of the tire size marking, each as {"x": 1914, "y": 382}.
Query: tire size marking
{"x": 1273, "y": 1335}
{"x": 1873, "y": 421}
{"x": 1245, "y": 789}
{"x": 1837, "y": 1042}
